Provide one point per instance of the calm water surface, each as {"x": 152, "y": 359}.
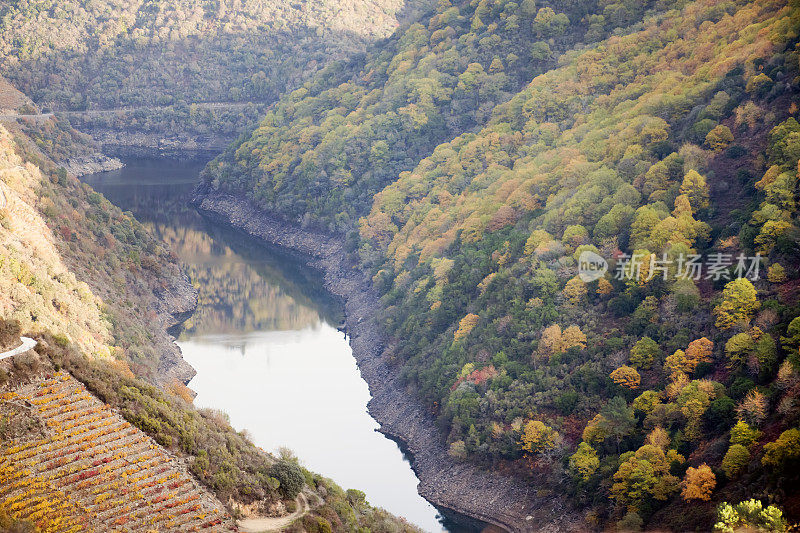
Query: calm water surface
{"x": 265, "y": 345}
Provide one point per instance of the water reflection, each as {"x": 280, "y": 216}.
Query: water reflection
{"x": 264, "y": 343}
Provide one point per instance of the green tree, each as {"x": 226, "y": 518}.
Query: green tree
{"x": 584, "y": 462}
{"x": 645, "y": 475}
{"x": 617, "y": 419}
{"x": 644, "y": 352}
{"x": 290, "y": 476}
{"x": 744, "y": 434}
{"x": 695, "y": 187}
{"x": 783, "y": 452}
{"x": 739, "y": 302}
{"x": 736, "y": 458}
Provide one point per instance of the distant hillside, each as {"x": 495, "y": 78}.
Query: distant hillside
{"x": 161, "y": 57}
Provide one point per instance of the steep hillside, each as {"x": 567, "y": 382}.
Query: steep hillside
{"x": 649, "y": 393}
{"x": 75, "y": 265}
{"x": 86, "y": 446}
{"x": 13, "y": 101}
{"x": 86, "y": 466}
{"x": 324, "y": 150}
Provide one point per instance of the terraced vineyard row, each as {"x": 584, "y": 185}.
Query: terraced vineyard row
{"x": 91, "y": 470}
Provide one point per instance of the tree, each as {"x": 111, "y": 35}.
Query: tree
{"x": 645, "y": 475}
{"x": 596, "y": 430}
{"x": 698, "y": 483}
{"x": 744, "y": 434}
{"x": 617, "y": 419}
{"x": 791, "y": 342}
{"x": 626, "y": 376}
{"x": 289, "y": 476}
{"x": 630, "y": 522}
{"x": 677, "y": 364}
{"x": 736, "y": 458}
{"x": 776, "y": 273}
{"x": 465, "y": 326}
{"x": 644, "y": 352}
{"x": 719, "y": 138}
{"x": 551, "y": 342}
{"x": 538, "y": 437}
{"x": 695, "y": 187}
{"x": 584, "y": 462}
{"x": 699, "y": 351}
{"x": 646, "y": 401}
{"x": 749, "y": 515}
{"x": 554, "y": 341}
{"x": 738, "y": 303}
{"x": 753, "y": 408}
{"x": 738, "y": 348}
{"x": 658, "y": 438}
{"x": 573, "y": 337}
{"x": 784, "y": 451}
{"x": 575, "y": 290}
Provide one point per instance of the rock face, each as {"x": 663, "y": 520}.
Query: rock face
{"x": 142, "y": 144}
{"x": 492, "y": 497}
{"x": 173, "y": 305}
{"x": 80, "y": 166}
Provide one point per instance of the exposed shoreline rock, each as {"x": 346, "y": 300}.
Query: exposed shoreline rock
{"x": 90, "y": 164}
{"x": 122, "y": 143}
{"x": 489, "y": 496}
{"x": 174, "y": 305}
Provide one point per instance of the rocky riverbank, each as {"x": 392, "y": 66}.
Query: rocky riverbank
{"x": 122, "y": 143}
{"x": 173, "y": 305}
{"x": 90, "y": 164}
{"x": 485, "y": 495}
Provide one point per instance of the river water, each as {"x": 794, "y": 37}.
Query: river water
{"x": 265, "y": 345}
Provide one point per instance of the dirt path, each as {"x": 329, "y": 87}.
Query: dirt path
{"x": 27, "y": 344}
{"x": 258, "y": 525}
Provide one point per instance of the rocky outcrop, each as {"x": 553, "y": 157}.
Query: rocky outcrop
{"x": 174, "y": 304}
{"x": 123, "y": 143}
{"x": 90, "y": 164}
{"x": 478, "y": 493}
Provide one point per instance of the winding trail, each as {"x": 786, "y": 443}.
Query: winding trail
{"x": 27, "y": 344}
{"x": 258, "y": 525}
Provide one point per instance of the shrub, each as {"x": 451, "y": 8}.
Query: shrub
{"x": 749, "y": 515}
{"x": 290, "y": 477}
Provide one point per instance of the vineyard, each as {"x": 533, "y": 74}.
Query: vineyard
{"x": 90, "y": 470}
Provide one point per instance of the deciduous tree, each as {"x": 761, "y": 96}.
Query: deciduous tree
{"x": 698, "y": 483}
{"x": 738, "y": 304}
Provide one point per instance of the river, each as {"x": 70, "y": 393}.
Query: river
{"x": 266, "y": 347}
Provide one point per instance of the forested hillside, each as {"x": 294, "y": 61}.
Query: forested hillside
{"x": 352, "y": 129}
{"x": 502, "y": 145}
{"x": 77, "y": 266}
{"x": 101, "y": 54}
